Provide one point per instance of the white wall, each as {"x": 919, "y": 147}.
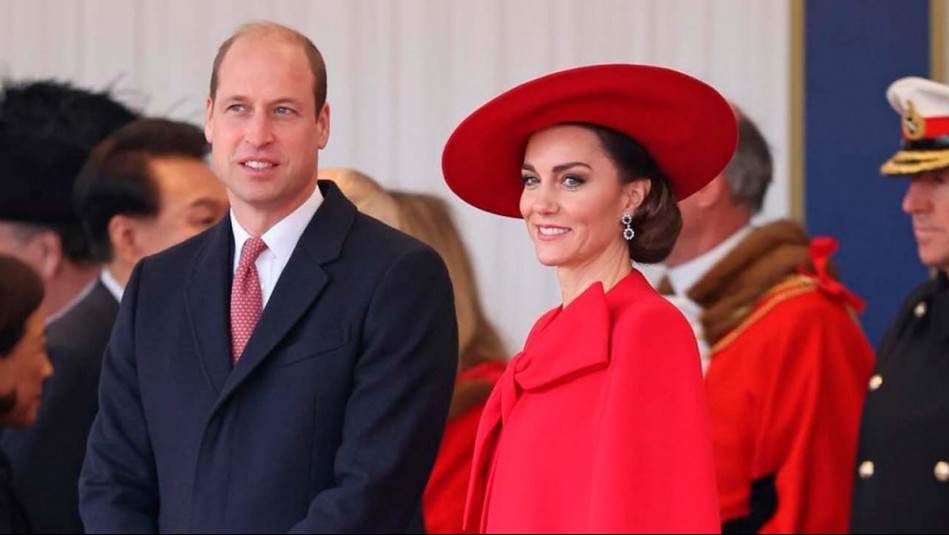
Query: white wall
{"x": 403, "y": 73}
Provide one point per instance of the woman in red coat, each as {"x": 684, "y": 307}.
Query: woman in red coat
{"x": 600, "y": 424}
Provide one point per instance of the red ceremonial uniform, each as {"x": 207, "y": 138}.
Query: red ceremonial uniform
{"x": 599, "y": 425}
{"x": 786, "y": 387}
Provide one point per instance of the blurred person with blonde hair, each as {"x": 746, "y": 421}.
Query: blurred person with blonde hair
{"x": 362, "y": 190}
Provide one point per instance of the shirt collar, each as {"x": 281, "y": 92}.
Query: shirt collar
{"x": 282, "y": 238}
{"x": 112, "y": 284}
{"x": 684, "y": 276}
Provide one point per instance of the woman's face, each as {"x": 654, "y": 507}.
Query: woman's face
{"x": 573, "y": 198}
{"x": 23, "y": 372}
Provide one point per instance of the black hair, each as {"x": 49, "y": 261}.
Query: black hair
{"x": 58, "y": 110}
{"x": 117, "y": 179}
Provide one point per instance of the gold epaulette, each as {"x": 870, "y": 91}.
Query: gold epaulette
{"x": 792, "y": 287}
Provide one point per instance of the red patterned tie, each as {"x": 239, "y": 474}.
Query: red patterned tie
{"x": 247, "y": 299}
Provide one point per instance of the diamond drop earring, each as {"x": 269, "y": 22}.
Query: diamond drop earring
{"x": 628, "y": 232}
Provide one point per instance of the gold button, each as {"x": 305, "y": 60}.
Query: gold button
{"x": 866, "y": 470}
{"x": 920, "y": 309}
{"x": 941, "y": 471}
{"x": 876, "y": 382}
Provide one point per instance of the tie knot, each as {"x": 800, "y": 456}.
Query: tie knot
{"x": 251, "y": 250}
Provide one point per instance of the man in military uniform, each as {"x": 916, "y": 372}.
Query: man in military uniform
{"x": 902, "y": 475}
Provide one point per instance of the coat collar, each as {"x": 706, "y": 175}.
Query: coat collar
{"x": 564, "y": 344}
{"x": 302, "y": 281}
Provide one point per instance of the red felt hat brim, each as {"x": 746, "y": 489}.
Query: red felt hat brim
{"x": 684, "y": 124}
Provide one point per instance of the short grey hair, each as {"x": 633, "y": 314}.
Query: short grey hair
{"x": 750, "y": 171}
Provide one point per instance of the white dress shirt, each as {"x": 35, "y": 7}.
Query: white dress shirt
{"x": 684, "y": 276}
{"x": 281, "y": 240}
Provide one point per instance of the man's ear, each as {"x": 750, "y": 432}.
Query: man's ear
{"x": 323, "y": 124}
{"x": 122, "y": 236}
{"x": 49, "y": 248}
{"x": 208, "y": 117}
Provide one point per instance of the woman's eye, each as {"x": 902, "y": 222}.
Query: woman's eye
{"x": 529, "y": 180}
{"x": 572, "y": 181}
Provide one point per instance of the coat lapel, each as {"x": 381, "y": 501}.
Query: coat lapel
{"x": 300, "y": 284}
{"x": 208, "y": 303}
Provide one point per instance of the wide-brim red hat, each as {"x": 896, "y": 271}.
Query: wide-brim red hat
{"x": 686, "y": 126}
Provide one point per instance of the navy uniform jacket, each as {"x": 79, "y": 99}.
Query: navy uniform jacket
{"x": 329, "y": 422}
{"x": 902, "y": 480}
{"x": 46, "y": 457}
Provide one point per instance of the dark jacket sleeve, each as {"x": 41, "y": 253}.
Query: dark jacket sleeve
{"x": 118, "y": 491}
{"x": 396, "y": 414}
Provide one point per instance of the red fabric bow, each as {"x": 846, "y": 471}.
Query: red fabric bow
{"x": 821, "y": 250}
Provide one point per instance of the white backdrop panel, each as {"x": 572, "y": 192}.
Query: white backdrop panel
{"x": 403, "y": 73}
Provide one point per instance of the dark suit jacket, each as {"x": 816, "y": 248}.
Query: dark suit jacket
{"x": 47, "y": 457}
{"x": 329, "y": 422}
{"x": 12, "y": 517}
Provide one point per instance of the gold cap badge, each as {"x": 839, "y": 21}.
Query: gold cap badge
{"x": 914, "y": 124}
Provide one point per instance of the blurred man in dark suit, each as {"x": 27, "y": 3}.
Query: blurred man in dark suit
{"x": 47, "y": 130}
{"x": 144, "y": 189}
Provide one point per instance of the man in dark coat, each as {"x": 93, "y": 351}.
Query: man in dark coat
{"x": 290, "y": 369}
{"x": 901, "y": 483}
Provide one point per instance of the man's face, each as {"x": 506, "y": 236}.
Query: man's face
{"x": 191, "y": 200}
{"x": 927, "y": 202}
{"x": 692, "y": 217}
{"x": 264, "y": 127}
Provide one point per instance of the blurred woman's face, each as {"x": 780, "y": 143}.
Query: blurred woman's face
{"x": 573, "y": 198}
{"x": 23, "y": 372}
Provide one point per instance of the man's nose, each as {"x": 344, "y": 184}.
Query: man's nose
{"x": 917, "y": 199}
{"x": 259, "y": 131}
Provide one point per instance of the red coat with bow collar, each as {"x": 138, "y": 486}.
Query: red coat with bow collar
{"x": 600, "y": 425}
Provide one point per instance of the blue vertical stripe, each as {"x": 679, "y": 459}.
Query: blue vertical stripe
{"x": 853, "y": 50}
